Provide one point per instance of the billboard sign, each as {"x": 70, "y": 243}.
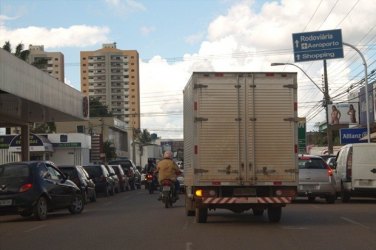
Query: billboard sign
{"x": 352, "y": 135}
{"x": 344, "y": 113}
{"x": 318, "y": 45}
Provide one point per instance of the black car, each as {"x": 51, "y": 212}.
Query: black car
{"x": 36, "y": 188}
{"x": 123, "y": 179}
{"x": 131, "y": 171}
{"x": 103, "y": 182}
{"x": 114, "y": 177}
{"x": 81, "y": 178}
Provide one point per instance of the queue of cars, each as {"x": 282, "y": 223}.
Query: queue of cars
{"x": 351, "y": 173}
{"x": 34, "y": 188}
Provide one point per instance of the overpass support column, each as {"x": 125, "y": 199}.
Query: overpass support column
{"x": 25, "y": 149}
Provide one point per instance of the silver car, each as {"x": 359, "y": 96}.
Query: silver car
{"x": 316, "y": 179}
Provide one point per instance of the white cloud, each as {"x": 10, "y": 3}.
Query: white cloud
{"x": 195, "y": 38}
{"x": 73, "y": 36}
{"x": 243, "y": 40}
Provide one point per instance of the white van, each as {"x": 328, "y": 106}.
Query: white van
{"x": 355, "y": 171}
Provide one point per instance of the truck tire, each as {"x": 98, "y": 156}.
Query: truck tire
{"x": 189, "y": 210}
{"x": 274, "y": 214}
{"x": 201, "y": 215}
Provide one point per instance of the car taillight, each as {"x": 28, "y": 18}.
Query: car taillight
{"x": 348, "y": 173}
{"x": 330, "y": 172}
{"x": 26, "y": 187}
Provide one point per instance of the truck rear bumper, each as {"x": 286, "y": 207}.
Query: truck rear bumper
{"x": 246, "y": 200}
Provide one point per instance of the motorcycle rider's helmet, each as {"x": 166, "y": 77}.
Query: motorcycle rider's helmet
{"x": 167, "y": 155}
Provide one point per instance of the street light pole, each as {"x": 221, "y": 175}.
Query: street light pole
{"x": 329, "y": 132}
{"x": 326, "y": 101}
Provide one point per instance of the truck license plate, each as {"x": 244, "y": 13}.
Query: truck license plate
{"x": 5, "y": 202}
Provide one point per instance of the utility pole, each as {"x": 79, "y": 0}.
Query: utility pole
{"x": 329, "y": 132}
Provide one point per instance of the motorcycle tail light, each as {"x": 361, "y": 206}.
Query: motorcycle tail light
{"x": 165, "y": 182}
{"x": 26, "y": 187}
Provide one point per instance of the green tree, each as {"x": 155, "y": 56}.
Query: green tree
{"x": 19, "y": 52}
{"x": 109, "y": 150}
{"x": 97, "y": 109}
{"x": 40, "y": 128}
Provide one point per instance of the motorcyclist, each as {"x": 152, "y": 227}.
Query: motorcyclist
{"x": 167, "y": 169}
{"x": 150, "y": 166}
{"x": 150, "y": 169}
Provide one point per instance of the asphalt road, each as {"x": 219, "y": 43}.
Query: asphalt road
{"x": 136, "y": 220}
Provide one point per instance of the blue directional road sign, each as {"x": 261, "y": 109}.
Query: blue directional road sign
{"x": 318, "y": 45}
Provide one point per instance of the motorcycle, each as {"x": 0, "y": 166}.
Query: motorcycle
{"x": 168, "y": 196}
{"x": 151, "y": 182}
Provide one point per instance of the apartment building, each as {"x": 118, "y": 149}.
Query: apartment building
{"x": 49, "y": 62}
{"x": 112, "y": 75}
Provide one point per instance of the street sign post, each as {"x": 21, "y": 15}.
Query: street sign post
{"x": 318, "y": 45}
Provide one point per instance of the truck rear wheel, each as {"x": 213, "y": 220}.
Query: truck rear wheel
{"x": 274, "y": 214}
{"x": 201, "y": 215}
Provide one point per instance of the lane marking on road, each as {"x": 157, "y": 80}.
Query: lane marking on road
{"x": 355, "y": 222}
{"x": 34, "y": 228}
{"x": 188, "y": 245}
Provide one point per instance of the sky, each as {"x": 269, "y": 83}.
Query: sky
{"x": 176, "y": 37}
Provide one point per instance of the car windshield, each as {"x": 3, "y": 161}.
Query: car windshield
{"x": 10, "y": 171}
{"x": 93, "y": 170}
{"x": 69, "y": 171}
{"x": 311, "y": 163}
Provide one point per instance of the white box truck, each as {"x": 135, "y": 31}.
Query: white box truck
{"x": 240, "y": 142}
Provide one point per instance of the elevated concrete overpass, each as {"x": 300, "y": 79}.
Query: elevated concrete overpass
{"x": 29, "y": 95}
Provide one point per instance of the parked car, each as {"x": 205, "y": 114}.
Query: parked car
{"x": 36, "y": 188}
{"x": 131, "y": 171}
{"x": 103, "y": 183}
{"x": 115, "y": 178}
{"x": 81, "y": 178}
{"x": 123, "y": 179}
{"x": 355, "y": 171}
{"x": 316, "y": 179}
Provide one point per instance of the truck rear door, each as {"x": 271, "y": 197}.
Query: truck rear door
{"x": 271, "y": 128}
